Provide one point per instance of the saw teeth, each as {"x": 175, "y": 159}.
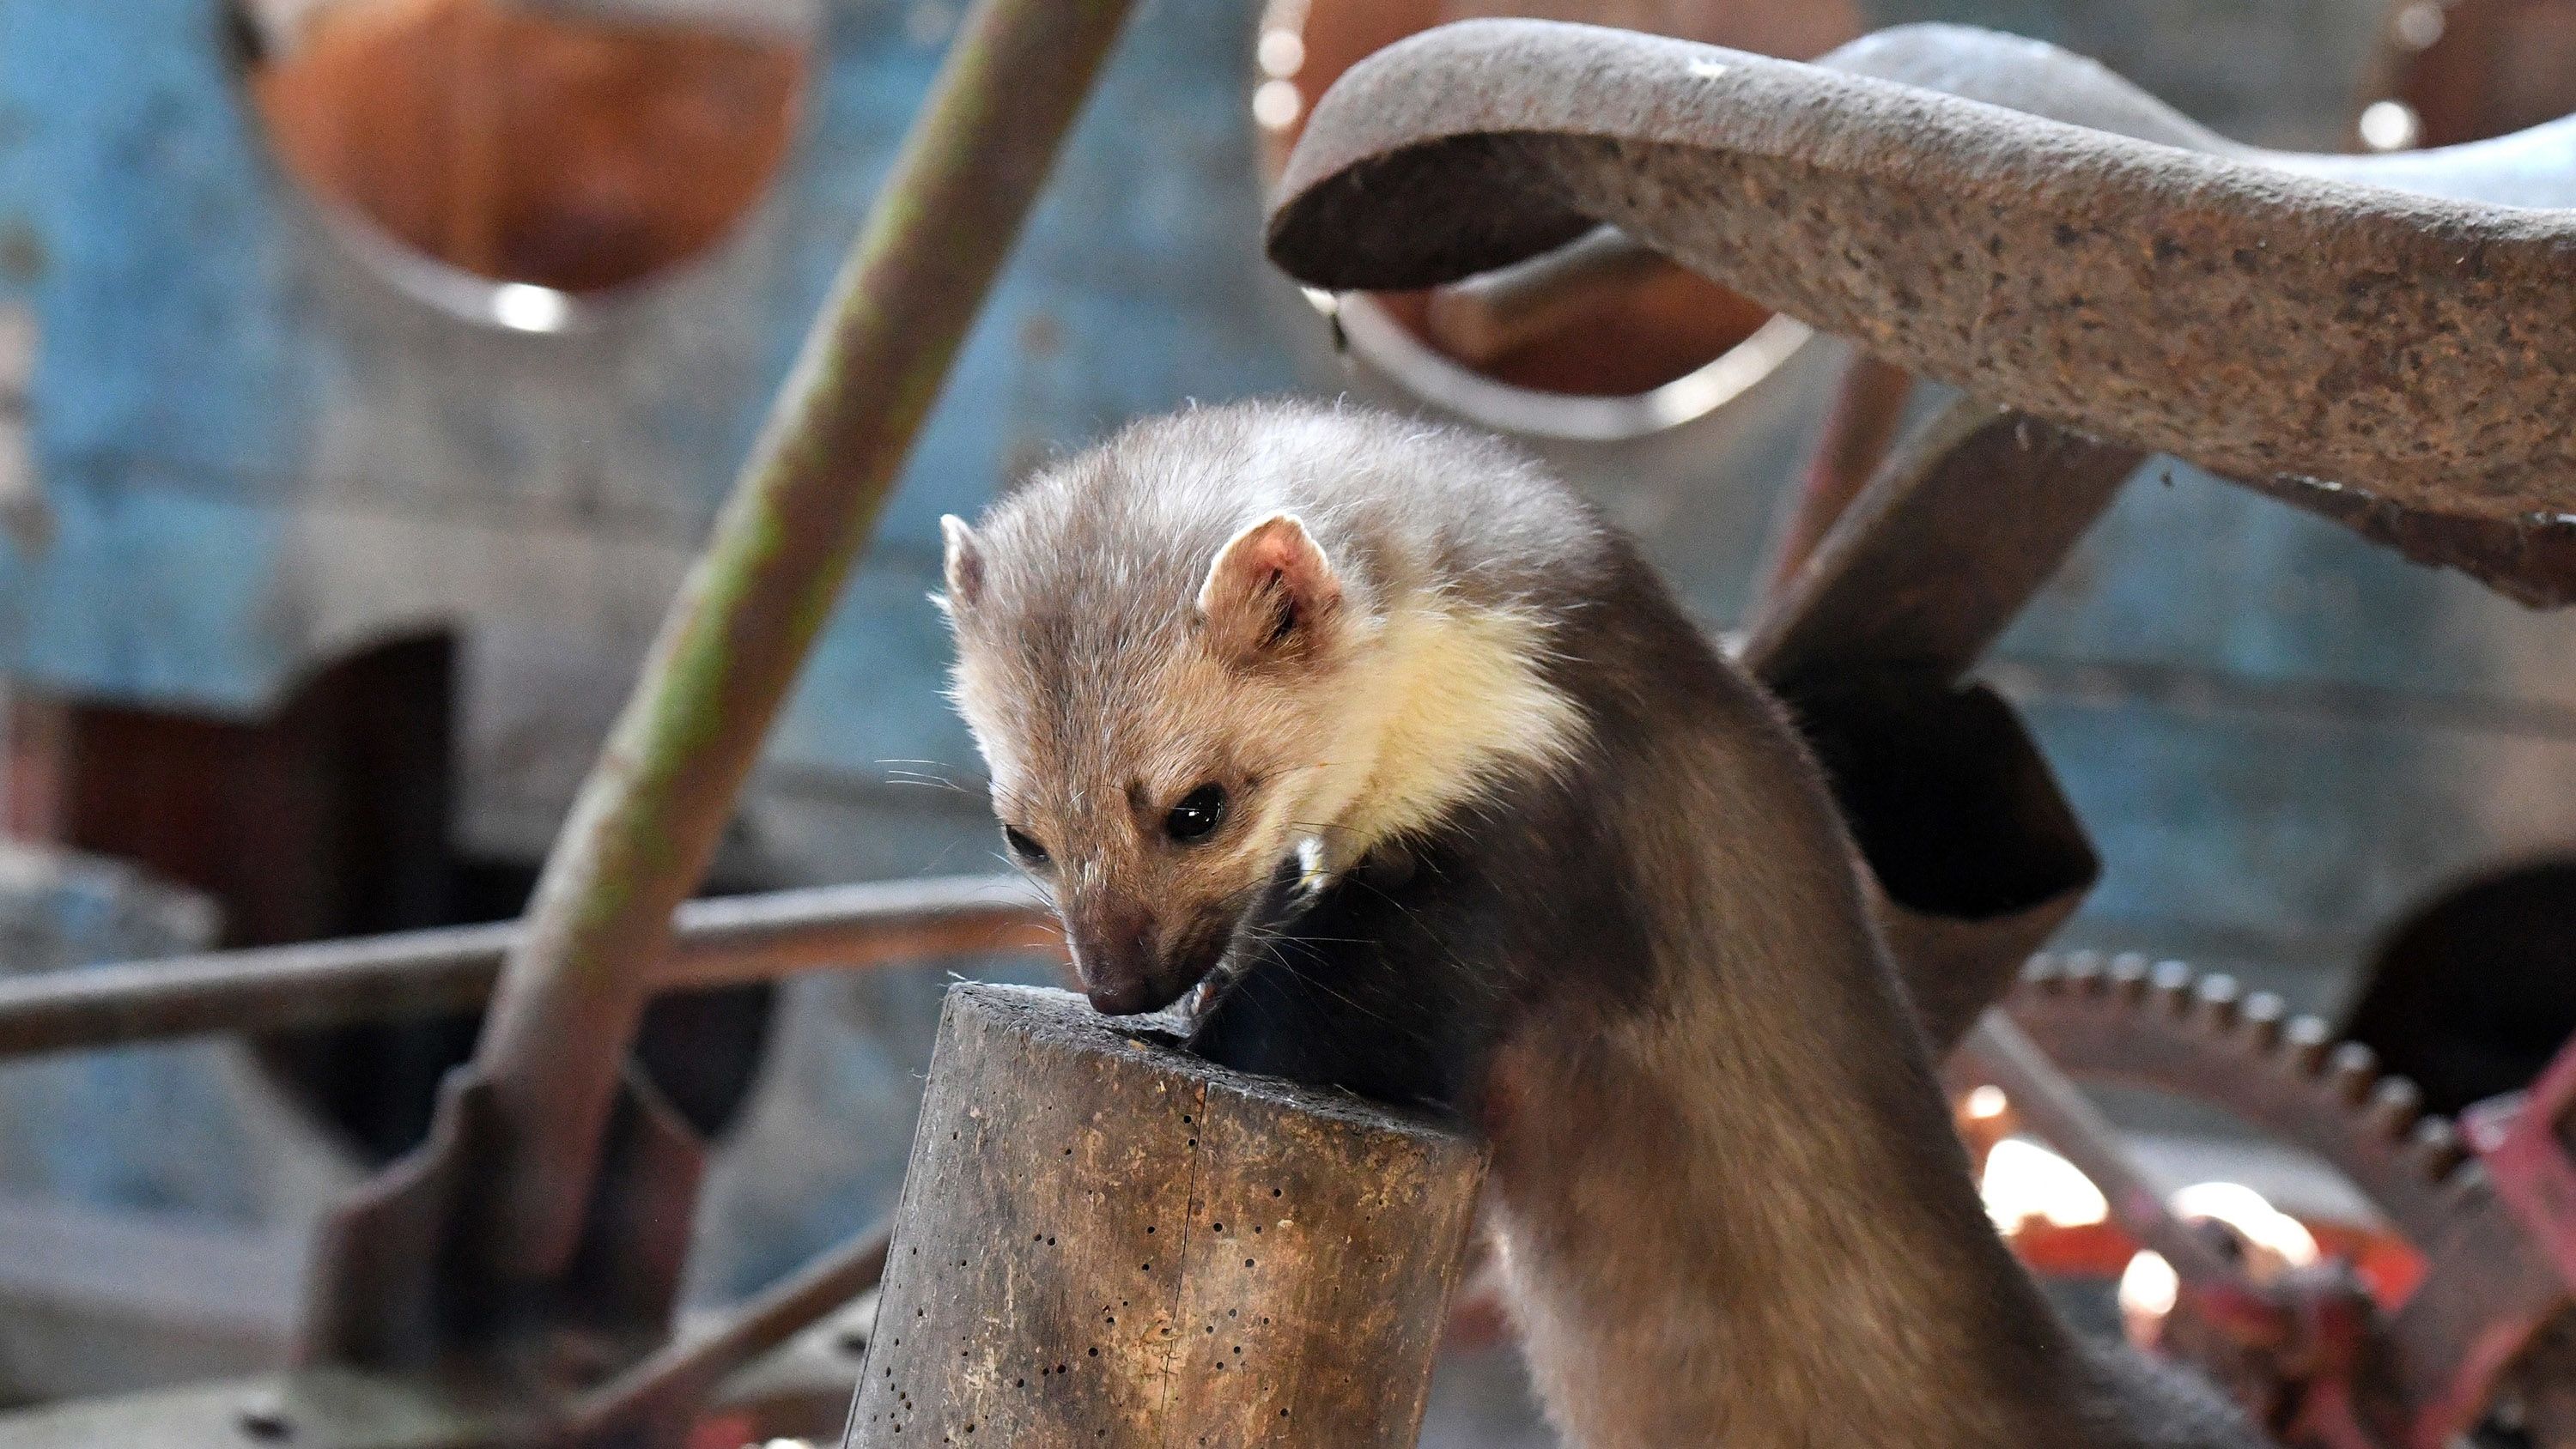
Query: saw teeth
{"x": 2215, "y": 1003}
{"x": 2172, "y": 982}
{"x": 2199, "y": 1035}
{"x": 2262, "y": 1015}
{"x": 2307, "y": 1039}
{"x": 2084, "y": 971}
{"x": 2394, "y": 1105}
{"x": 2350, "y": 1070}
{"x": 2435, "y": 1144}
{"x": 2129, "y": 977}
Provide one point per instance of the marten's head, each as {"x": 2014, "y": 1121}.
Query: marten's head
{"x": 1207, "y": 678}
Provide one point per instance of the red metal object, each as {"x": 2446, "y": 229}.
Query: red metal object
{"x": 2520, "y": 1140}
{"x": 2456, "y": 1317}
{"x": 2068, "y": 1121}
{"x": 2332, "y": 1317}
{"x": 2506, "y": 1274}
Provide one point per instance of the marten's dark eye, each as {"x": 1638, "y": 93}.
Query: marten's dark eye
{"x": 1029, "y": 851}
{"x": 1199, "y": 812}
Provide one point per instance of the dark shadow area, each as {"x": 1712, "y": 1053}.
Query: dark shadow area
{"x": 1951, "y": 802}
{"x": 2472, "y": 994}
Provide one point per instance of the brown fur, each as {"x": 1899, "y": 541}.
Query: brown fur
{"x": 1729, "y": 1200}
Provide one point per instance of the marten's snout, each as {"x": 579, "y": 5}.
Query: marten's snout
{"x": 1129, "y": 961}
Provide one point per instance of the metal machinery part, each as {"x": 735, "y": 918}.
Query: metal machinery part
{"x": 1604, "y": 343}
{"x": 2100, "y": 327}
{"x": 2167, "y": 1029}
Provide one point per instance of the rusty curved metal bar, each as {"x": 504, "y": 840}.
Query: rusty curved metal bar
{"x": 2385, "y": 338}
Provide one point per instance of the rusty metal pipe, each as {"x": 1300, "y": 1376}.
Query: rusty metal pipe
{"x": 414, "y": 973}
{"x": 648, "y": 818}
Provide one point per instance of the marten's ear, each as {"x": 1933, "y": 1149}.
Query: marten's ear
{"x": 963, "y": 568}
{"x": 1270, "y": 593}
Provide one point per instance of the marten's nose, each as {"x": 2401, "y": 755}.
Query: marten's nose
{"x": 1113, "y": 950}
{"x": 1124, "y": 998}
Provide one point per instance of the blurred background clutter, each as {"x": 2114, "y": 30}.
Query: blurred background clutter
{"x": 370, "y": 371}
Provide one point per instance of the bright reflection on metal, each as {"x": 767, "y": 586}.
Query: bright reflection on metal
{"x": 1435, "y": 378}
{"x": 1276, "y": 105}
{"x": 2026, "y": 1183}
{"x": 2149, "y": 1287}
{"x": 2420, "y": 25}
{"x": 2390, "y": 126}
{"x": 1282, "y": 53}
{"x": 2252, "y": 1215}
{"x": 526, "y": 307}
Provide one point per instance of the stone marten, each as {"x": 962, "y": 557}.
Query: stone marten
{"x": 1386, "y": 743}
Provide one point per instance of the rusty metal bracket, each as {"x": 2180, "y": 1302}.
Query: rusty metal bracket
{"x": 2087, "y": 256}
{"x": 1868, "y": 642}
{"x": 1974, "y": 513}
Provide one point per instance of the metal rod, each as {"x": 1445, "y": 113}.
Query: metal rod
{"x": 418, "y": 973}
{"x": 1859, "y": 429}
{"x": 1968, "y": 517}
{"x": 648, "y": 818}
{"x": 681, "y": 1374}
{"x": 2068, "y": 1121}
{"x": 1479, "y": 318}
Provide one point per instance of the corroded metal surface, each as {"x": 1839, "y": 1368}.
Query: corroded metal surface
{"x": 2096, "y": 259}
{"x": 1930, "y": 562}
